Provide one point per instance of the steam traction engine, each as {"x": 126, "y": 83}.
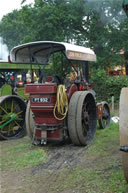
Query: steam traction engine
{"x": 12, "y": 99}
{"x": 57, "y": 110}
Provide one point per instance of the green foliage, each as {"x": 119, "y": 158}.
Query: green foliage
{"x": 60, "y": 66}
{"x": 100, "y": 24}
{"x": 12, "y": 29}
{"x": 107, "y": 86}
{"x": 22, "y": 156}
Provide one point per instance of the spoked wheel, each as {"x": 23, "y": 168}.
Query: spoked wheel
{"x": 29, "y": 121}
{"x": 124, "y": 130}
{"x": 12, "y": 117}
{"x": 104, "y": 122}
{"x": 82, "y": 118}
{"x": 85, "y": 118}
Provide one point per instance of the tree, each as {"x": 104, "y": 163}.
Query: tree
{"x": 12, "y": 29}
{"x": 99, "y": 24}
{"x": 105, "y": 20}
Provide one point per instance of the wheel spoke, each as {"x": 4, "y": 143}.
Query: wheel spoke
{"x": 19, "y": 113}
{"x": 85, "y": 118}
{"x": 16, "y": 105}
{"x": 18, "y": 124}
{"x": 84, "y": 128}
{"x": 2, "y": 121}
{"x": 3, "y": 110}
{"x": 19, "y": 119}
{"x": 12, "y": 106}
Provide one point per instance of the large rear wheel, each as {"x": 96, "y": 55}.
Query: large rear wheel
{"x": 82, "y": 118}
{"x": 124, "y": 130}
{"x": 12, "y": 117}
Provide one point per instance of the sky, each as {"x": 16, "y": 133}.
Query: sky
{"x": 7, "y": 6}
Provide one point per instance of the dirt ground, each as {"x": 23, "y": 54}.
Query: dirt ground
{"x": 60, "y": 156}
{"x": 68, "y": 169}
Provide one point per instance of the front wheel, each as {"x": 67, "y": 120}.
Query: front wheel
{"x": 82, "y": 118}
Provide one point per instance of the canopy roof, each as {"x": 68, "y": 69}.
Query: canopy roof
{"x": 41, "y": 50}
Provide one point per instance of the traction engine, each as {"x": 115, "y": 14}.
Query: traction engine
{"x": 57, "y": 110}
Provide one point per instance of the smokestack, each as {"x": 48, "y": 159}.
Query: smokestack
{"x": 3, "y": 50}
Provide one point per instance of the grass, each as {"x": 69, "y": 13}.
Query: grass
{"x": 19, "y": 148}
{"x": 22, "y": 156}
{"x": 105, "y": 139}
{"x": 99, "y": 172}
{"x": 104, "y": 172}
{"x": 94, "y": 180}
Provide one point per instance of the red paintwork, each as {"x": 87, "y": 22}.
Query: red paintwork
{"x": 39, "y": 106}
{"x": 47, "y": 118}
{"x": 99, "y": 110}
{"x": 82, "y": 87}
{"x": 42, "y": 88}
{"x": 38, "y": 134}
{"x": 71, "y": 90}
{"x": 50, "y": 78}
{"x": 54, "y": 135}
{"x": 50, "y": 135}
{"x": 47, "y": 125}
{"x": 43, "y": 111}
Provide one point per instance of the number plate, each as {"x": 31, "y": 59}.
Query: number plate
{"x": 40, "y": 100}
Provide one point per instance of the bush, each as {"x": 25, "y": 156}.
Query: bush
{"x": 107, "y": 86}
